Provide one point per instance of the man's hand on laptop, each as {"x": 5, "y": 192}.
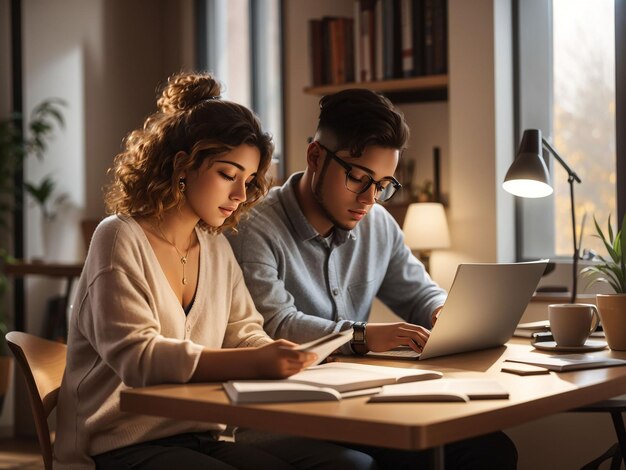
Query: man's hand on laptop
{"x": 387, "y": 336}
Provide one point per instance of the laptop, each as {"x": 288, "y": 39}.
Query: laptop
{"x": 483, "y": 308}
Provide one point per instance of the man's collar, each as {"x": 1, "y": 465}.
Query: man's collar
{"x": 302, "y": 226}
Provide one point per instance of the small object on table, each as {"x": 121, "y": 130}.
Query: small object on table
{"x": 523, "y": 369}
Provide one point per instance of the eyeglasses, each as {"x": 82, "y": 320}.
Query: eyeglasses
{"x": 359, "y": 183}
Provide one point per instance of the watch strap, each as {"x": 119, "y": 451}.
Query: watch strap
{"x": 359, "y": 338}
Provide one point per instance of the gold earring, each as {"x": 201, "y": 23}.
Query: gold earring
{"x": 182, "y": 185}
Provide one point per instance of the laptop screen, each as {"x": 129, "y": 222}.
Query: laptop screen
{"x": 484, "y": 305}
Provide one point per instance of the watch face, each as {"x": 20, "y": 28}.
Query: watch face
{"x": 359, "y": 333}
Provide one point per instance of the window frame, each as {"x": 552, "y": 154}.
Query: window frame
{"x": 532, "y": 63}
{"x": 265, "y": 80}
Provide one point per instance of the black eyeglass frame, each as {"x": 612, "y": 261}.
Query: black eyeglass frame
{"x": 371, "y": 181}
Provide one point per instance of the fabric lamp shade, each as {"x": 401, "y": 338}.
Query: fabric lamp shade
{"x": 425, "y": 226}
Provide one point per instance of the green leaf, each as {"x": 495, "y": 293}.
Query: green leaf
{"x": 44, "y": 119}
{"x": 610, "y": 270}
{"x": 41, "y": 192}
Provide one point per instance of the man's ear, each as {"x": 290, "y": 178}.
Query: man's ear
{"x": 313, "y": 156}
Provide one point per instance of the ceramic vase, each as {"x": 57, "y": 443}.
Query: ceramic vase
{"x": 612, "y": 309}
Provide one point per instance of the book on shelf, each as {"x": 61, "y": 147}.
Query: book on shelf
{"x": 384, "y": 40}
{"x": 406, "y": 20}
{"x": 316, "y": 52}
{"x": 417, "y": 10}
{"x": 327, "y": 49}
{"x": 391, "y": 40}
{"x": 442, "y": 390}
{"x": 435, "y": 37}
{"x": 330, "y": 381}
{"x": 366, "y": 43}
{"x": 568, "y": 362}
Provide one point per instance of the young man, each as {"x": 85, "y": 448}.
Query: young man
{"x": 318, "y": 250}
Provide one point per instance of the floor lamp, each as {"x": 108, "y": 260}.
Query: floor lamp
{"x": 528, "y": 176}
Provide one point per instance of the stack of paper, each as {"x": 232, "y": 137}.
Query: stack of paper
{"x": 566, "y": 362}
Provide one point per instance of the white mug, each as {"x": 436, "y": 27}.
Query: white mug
{"x": 571, "y": 324}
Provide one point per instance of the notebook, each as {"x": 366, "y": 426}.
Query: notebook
{"x": 483, "y": 308}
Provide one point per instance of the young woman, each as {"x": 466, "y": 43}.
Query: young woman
{"x": 161, "y": 298}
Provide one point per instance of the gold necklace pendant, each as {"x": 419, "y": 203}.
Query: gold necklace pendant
{"x": 183, "y": 261}
{"x": 183, "y": 258}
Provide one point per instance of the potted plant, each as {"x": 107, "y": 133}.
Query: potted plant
{"x": 15, "y": 146}
{"x": 612, "y": 271}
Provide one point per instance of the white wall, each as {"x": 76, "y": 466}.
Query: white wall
{"x": 481, "y": 215}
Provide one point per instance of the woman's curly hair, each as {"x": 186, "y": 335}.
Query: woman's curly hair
{"x": 191, "y": 118}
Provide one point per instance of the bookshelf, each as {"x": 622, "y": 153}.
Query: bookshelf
{"x": 394, "y": 47}
{"x": 426, "y": 88}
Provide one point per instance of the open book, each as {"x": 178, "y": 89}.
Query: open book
{"x": 442, "y": 390}
{"x": 331, "y": 381}
{"x": 565, "y": 362}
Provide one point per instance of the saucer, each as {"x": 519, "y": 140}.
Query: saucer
{"x": 590, "y": 345}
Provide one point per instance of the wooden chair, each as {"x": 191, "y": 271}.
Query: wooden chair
{"x": 42, "y": 362}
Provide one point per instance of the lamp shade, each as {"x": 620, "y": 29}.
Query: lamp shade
{"x": 528, "y": 175}
{"x": 425, "y": 226}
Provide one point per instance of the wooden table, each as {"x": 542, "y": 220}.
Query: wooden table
{"x": 410, "y": 426}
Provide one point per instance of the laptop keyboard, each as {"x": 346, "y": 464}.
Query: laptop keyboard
{"x": 399, "y": 353}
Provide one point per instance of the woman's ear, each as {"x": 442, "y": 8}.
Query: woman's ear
{"x": 181, "y": 160}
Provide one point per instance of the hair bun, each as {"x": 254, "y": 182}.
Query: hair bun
{"x": 185, "y": 90}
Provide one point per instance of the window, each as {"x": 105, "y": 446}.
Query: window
{"x": 566, "y": 77}
{"x": 240, "y": 42}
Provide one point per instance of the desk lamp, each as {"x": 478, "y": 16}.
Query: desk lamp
{"x": 528, "y": 176}
{"x": 425, "y": 228}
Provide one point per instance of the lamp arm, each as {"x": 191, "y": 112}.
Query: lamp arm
{"x": 572, "y": 176}
{"x": 576, "y": 247}
{"x": 570, "y": 172}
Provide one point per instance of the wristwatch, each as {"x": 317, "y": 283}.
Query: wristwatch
{"x": 359, "y": 341}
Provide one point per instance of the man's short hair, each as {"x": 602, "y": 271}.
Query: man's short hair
{"x": 359, "y": 118}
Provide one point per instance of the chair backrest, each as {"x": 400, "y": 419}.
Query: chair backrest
{"x": 42, "y": 362}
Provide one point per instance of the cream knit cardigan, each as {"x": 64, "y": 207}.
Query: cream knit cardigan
{"x": 127, "y": 329}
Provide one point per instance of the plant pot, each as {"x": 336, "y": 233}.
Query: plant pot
{"x": 612, "y": 309}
